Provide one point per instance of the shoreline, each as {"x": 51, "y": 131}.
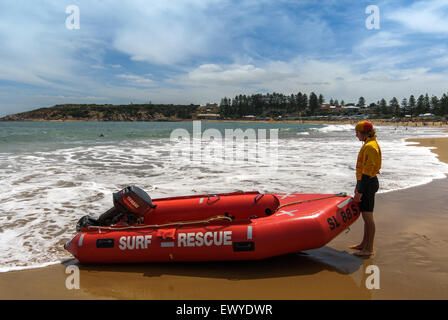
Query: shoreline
{"x": 67, "y": 260}
{"x": 439, "y": 146}
{"x": 423, "y": 142}
{"x": 408, "y": 256}
{"x": 410, "y": 241}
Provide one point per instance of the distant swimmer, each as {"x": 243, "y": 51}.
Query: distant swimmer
{"x": 101, "y": 135}
{"x": 368, "y": 166}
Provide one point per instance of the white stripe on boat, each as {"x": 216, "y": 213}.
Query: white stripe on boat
{"x": 288, "y": 195}
{"x": 344, "y": 203}
{"x": 81, "y": 238}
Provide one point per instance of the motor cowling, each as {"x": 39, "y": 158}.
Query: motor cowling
{"x": 131, "y": 203}
{"x": 133, "y": 200}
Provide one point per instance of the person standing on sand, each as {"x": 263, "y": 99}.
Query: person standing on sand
{"x": 368, "y": 166}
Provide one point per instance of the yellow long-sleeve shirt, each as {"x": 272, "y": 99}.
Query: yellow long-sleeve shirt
{"x": 369, "y": 159}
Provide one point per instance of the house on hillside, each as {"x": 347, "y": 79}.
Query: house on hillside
{"x": 208, "y": 116}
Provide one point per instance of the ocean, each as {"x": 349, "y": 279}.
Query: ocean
{"x": 53, "y": 173}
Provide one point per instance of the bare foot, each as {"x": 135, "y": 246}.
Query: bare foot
{"x": 364, "y": 253}
{"x": 357, "y": 247}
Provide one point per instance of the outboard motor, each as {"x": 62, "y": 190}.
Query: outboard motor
{"x": 131, "y": 202}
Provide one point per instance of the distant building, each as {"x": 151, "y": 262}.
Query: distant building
{"x": 325, "y": 107}
{"x": 336, "y": 109}
{"x": 351, "y": 108}
{"x": 209, "y": 108}
{"x": 426, "y": 116}
{"x": 209, "y": 116}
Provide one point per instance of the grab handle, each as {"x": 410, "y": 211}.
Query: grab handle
{"x": 213, "y": 195}
{"x": 258, "y": 195}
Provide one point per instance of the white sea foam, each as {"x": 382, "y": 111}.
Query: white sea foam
{"x": 43, "y": 194}
{"x": 336, "y": 128}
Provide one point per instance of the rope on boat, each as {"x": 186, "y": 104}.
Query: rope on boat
{"x": 162, "y": 225}
{"x": 342, "y": 194}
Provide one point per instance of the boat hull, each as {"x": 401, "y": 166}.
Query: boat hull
{"x": 302, "y": 222}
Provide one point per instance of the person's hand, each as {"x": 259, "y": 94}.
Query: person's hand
{"x": 357, "y": 197}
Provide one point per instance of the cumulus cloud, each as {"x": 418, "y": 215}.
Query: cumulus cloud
{"x": 165, "y": 32}
{"x": 233, "y": 74}
{"x": 195, "y": 51}
{"x": 140, "y": 81}
{"x": 380, "y": 40}
{"x": 337, "y": 78}
{"x": 423, "y": 16}
{"x": 38, "y": 50}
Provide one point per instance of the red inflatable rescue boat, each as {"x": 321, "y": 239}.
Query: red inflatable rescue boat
{"x": 227, "y": 226}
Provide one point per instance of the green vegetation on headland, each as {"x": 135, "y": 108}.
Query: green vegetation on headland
{"x": 276, "y": 106}
{"x": 107, "y": 112}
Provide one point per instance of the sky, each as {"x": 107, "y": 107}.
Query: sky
{"x": 199, "y": 51}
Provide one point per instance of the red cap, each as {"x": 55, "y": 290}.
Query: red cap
{"x": 364, "y": 126}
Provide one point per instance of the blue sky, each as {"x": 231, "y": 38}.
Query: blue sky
{"x": 198, "y": 51}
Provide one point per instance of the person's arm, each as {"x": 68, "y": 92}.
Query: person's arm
{"x": 358, "y": 186}
{"x": 357, "y": 196}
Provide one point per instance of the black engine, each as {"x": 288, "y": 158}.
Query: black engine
{"x": 130, "y": 204}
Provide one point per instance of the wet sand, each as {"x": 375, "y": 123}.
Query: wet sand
{"x": 440, "y": 146}
{"x": 411, "y": 255}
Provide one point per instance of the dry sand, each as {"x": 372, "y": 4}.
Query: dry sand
{"x": 411, "y": 255}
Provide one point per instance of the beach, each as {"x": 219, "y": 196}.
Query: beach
{"x": 410, "y": 243}
{"x": 175, "y": 137}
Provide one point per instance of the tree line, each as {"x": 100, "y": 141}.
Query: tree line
{"x": 276, "y": 104}
{"x": 413, "y": 106}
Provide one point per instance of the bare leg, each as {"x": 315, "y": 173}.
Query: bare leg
{"x": 369, "y": 235}
{"x": 363, "y": 243}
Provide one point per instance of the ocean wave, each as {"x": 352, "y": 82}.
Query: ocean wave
{"x": 335, "y": 128}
